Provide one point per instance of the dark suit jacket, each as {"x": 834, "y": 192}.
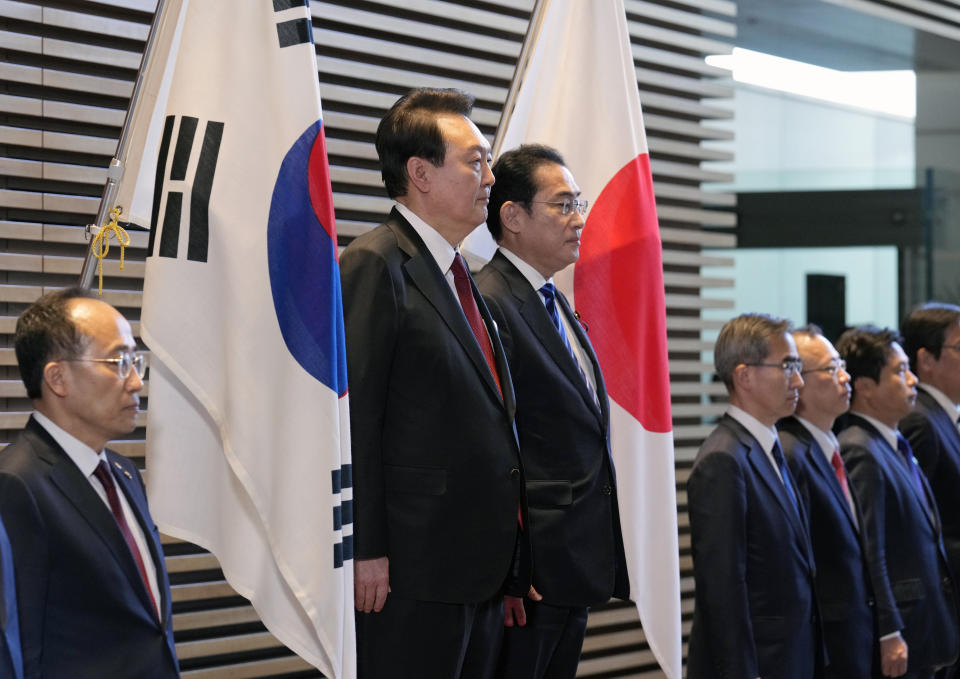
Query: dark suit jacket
{"x": 437, "y": 475}
{"x": 11, "y": 658}
{"x": 844, "y": 594}
{"x": 84, "y": 609}
{"x": 571, "y": 491}
{"x": 936, "y": 444}
{"x": 755, "y": 613}
{"x": 907, "y": 564}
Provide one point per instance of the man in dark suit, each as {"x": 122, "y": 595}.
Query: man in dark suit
{"x": 11, "y": 658}
{"x": 562, "y": 416}
{"x": 916, "y": 609}
{"x": 755, "y": 613}
{"x": 92, "y": 587}
{"x": 931, "y": 339}
{"x": 437, "y": 477}
{"x": 843, "y": 587}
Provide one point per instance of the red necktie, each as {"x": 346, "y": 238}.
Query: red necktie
{"x": 841, "y": 474}
{"x": 102, "y": 472}
{"x": 465, "y": 292}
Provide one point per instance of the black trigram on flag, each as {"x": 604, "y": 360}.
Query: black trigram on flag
{"x": 295, "y": 31}
{"x": 199, "y": 189}
{"x": 343, "y": 514}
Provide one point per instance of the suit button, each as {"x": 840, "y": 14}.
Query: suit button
{"x": 870, "y": 603}
{"x": 606, "y": 490}
{"x": 515, "y": 473}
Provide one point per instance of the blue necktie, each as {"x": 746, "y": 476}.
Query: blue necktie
{"x": 782, "y": 466}
{"x": 906, "y": 452}
{"x": 549, "y": 293}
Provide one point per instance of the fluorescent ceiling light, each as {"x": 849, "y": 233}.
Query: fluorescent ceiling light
{"x": 892, "y": 92}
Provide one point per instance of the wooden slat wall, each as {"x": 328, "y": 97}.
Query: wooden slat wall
{"x": 65, "y": 79}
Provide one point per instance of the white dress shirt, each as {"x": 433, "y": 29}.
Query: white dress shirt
{"x": 537, "y": 281}
{"x": 828, "y": 443}
{"x": 766, "y": 436}
{"x": 87, "y": 459}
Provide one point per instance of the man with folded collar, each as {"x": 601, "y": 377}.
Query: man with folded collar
{"x": 536, "y": 215}
{"x": 813, "y": 454}
{"x": 91, "y": 584}
{"x": 755, "y": 613}
{"x": 917, "y": 620}
{"x": 931, "y": 338}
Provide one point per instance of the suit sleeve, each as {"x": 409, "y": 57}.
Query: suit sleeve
{"x": 718, "y": 507}
{"x": 371, "y": 321}
{"x": 27, "y": 533}
{"x": 924, "y": 441}
{"x": 868, "y": 483}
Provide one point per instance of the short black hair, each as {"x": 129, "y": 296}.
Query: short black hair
{"x": 409, "y": 129}
{"x": 926, "y": 328}
{"x": 46, "y": 333}
{"x": 514, "y": 172}
{"x": 866, "y": 349}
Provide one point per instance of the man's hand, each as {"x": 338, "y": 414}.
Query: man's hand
{"x": 893, "y": 656}
{"x": 371, "y": 583}
{"x": 513, "y": 611}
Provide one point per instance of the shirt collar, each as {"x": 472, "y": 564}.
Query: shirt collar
{"x": 85, "y": 457}
{"x": 439, "y": 247}
{"x": 827, "y": 440}
{"x": 766, "y": 436}
{"x": 889, "y": 434}
{"x": 949, "y": 407}
{"x": 531, "y": 274}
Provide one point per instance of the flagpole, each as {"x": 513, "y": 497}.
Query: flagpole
{"x": 117, "y": 163}
{"x": 533, "y": 29}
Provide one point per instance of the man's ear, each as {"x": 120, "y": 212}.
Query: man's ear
{"x": 419, "y": 173}
{"x": 864, "y": 386}
{"x": 510, "y": 217}
{"x": 741, "y": 378}
{"x": 54, "y": 376}
{"x": 926, "y": 363}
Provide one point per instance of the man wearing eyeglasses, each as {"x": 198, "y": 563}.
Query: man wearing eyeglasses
{"x": 755, "y": 613}
{"x": 916, "y": 608}
{"x": 931, "y": 339}
{"x": 91, "y": 583}
{"x": 536, "y": 216}
{"x": 844, "y": 593}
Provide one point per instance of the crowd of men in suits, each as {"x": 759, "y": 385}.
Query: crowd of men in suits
{"x": 824, "y": 506}
{"x": 486, "y": 519}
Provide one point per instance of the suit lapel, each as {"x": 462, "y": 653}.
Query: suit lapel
{"x": 946, "y": 427}
{"x": 90, "y": 507}
{"x": 762, "y": 465}
{"x": 897, "y": 465}
{"x": 427, "y": 277}
{"x": 599, "y": 405}
{"x": 130, "y": 486}
{"x": 538, "y": 320}
{"x": 825, "y": 470}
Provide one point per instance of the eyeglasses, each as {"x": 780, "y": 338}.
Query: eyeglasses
{"x": 955, "y": 347}
{"x": 831, "y": 369}
{"x": 567, "y": 205}
{"x": 126, "y": 362}
{"x": 789, "y": 366}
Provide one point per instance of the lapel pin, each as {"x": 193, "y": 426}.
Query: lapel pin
{"x": 583, "y": 323}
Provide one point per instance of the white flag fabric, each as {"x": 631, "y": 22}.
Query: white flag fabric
{"x": 579, "y": 95}
{"x": 248, "y": 449}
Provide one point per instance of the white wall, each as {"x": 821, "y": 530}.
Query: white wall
{"x": 790, "y": 142}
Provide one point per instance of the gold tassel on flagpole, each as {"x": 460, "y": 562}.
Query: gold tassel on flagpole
{"x": 101, "y": 243}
